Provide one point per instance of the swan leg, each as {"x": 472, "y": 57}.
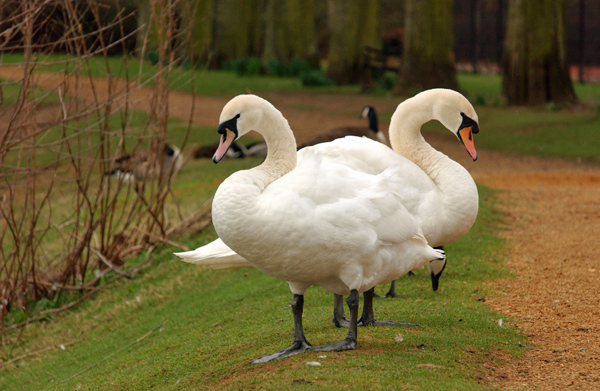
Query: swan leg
{"x": 348, "y": 343}
{"x": 339, "y": 318}
{"x": 300, "y": 344}
{"x": 368, "y": 318}
{"x": 391, "y": 292}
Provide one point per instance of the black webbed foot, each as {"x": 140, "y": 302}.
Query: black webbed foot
{"x": 296, "y": 348}
{"x": 349, "y": 342}
{"x": 387, "y": 323}
{"x": 345, "y": 344}
{"x": 300, "y": 344}
{"x": 343, "y": 322}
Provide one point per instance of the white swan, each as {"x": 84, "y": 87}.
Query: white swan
{"x": 438, "y": 191}
{"x": 320, "y": 223}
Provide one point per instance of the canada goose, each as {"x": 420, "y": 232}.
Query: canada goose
{"x": 139, "y": 168}
{"x": 236, "y": 150}
{"x": 318, "y": 223}
{"x": 372, "y": 131}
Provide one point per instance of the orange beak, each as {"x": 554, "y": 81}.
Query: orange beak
{"x": 466, "y": 137}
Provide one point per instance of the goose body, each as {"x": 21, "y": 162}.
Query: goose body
{"x": 140, "y": 167}
{"x": 318, "y": 223}
{"x": 372, "y": 131}
{"x": 436, "y": 190}
{"x": 236, "y": 150}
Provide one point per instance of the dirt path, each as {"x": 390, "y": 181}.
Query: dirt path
{"x": 553, "y": 223}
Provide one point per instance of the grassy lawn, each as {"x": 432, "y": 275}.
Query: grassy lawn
{"x": 9, "y": 94}
{"x": 215, "y": 322}
{"x": 199, "y": 81}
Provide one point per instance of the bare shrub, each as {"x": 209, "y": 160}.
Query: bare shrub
{"x": 64, "y": 223}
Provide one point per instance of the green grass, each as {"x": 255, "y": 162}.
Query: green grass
{"x": 10, "y": 90}
{"x": 486, "y": 89}
{"x": 217, "y": 321}
{"x": 199, "y": 81}
{"x": 571, "y": 135}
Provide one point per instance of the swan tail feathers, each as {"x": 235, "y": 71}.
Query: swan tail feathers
{"x": 228, "y": 262}
{"x": 215, "y": 255}
{"x": 432, "y": 253}
{"x": 435, "y": 254}
{"x": 441, "y": 255}
{"x": 418, "y": 237}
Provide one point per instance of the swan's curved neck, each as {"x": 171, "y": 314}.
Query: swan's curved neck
{"x": 406, "y": 138}
{"x": 281, "y": 149}
{"x": 455, "y": 184}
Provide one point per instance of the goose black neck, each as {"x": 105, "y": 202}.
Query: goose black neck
{"x": 373, "y": 123}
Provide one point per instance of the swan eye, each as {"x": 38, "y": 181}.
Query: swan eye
{"x": 229, "y": 124}
{"x": 468, "y": 122}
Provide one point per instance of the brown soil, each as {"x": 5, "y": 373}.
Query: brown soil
{"x": 552, "y": 225}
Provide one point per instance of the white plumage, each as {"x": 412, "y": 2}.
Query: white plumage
{"x": 436, "y": 190}
{"x": 320, "y": 223}
{"x": 319, "y": 216}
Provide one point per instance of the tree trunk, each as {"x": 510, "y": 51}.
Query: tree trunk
{"x": 155, "y": 20}
{"x": 535, "y": 67}
{"x": 428, "y": 47}
{"x": 3, "y": 26}
{"x": 237, "y": 30}
{"x": 275, "y": 39}
{"x": 353, "y": 24}
{"x": 290, "y": 31}
{"x": 301, "y": 32}
{"x": 196, "y": 27}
